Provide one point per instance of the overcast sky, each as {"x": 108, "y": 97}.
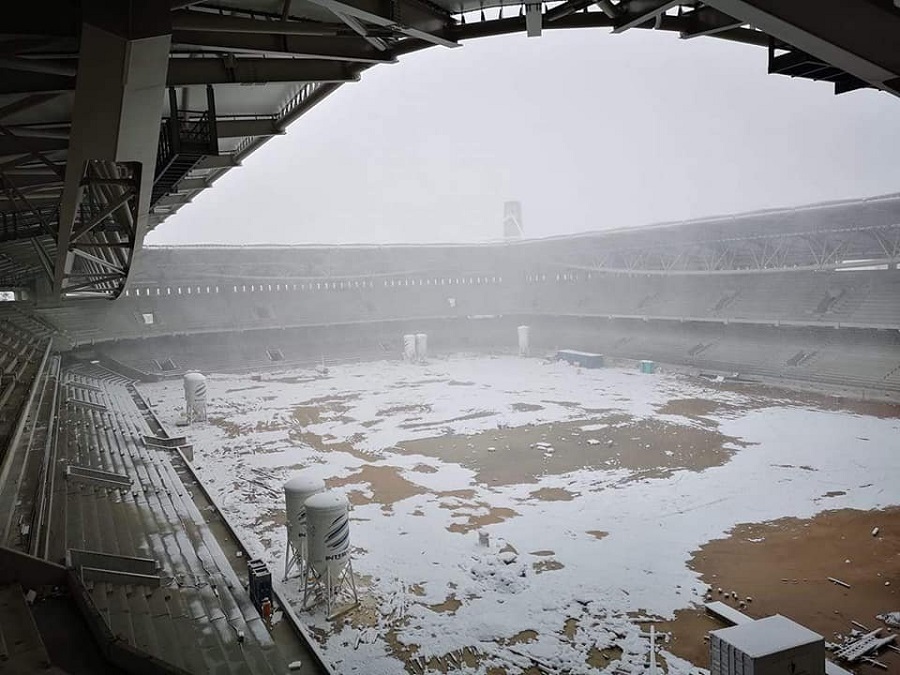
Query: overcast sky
{"x": 588, "y": 130}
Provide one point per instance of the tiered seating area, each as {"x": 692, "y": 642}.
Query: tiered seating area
{"x": 24, "y": 341}
{"x": 860, "y": 299}
{"x": 880, "y": 304}
{"x": 144, "y": 316}
{"x": 857, "y": 298}
{"x": 300, "y": 347}
{"x": 197, "y": 615}
{"x": 845, "y": 358}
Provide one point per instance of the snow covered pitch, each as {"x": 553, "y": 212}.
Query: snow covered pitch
{"x": 592, "y": 486}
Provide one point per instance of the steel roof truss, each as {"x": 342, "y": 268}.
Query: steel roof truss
{"x": 343, "y": 8}
{"x": 708, "y": 21}
{"x": 638, "y": 12}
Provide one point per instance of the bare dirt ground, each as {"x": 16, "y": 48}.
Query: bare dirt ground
{"x": 783, "y": 566}
{"x": 649, "y": 448}
{"x": 771, "y": 395}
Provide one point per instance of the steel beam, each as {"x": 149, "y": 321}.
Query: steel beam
{"x": 172, "y": 199}
{"x": 183, "y": 4}
{"x": 21, "y": 82}
{"x": 43, "y": 258}
{"x": 567, "y": 8}
{"x": 190, "y": 184}
{"x": 47, "y": 66}
{"x": 97, "y": 261}
{"x": 223, "y": 23}
{"x": 638, "y": 12}
{"x": 211, "y": 162}
{"x": 30, "y": 149}
{"x": 113, "y": 206}
{"x": 357, "y": 27}
{"x": 57, "y": 131}
{"x": 33, "y": 181}
{"x": 411, "y": 19}
{"x": 25, "y": 103}
{"x": 8, "y": 203}
{"x": 93, "y": 281}
{"x": 708, "y": 21}
{"x": 228, "y": 69}
{"x": 248, "y": 127}
{"x": 329, "y": 48}
{"x": 534, "y": 19}
{"x": 856, "y": 36}
{"x": 12, "y": 144}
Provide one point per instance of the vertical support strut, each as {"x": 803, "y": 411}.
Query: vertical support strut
{"x": 119, "y": 95}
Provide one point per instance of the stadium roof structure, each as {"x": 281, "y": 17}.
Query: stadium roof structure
{"x": 838, "y": 235}
{"x": 115, "y": 113}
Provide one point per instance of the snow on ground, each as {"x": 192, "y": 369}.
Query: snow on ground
{"x": 618, "y": 549}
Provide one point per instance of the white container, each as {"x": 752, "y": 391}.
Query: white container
{"x": 195, "y": 396}
{"x": 524, "y": 340}
{"x": 766, "y": 647}
{"x": 421, "y": 346}
{"x": 296, "y": 491}
{"x": 328, "y": 532}
{"x": 409, "y": 347}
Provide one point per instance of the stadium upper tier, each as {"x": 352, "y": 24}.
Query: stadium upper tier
{"x": 833, "y": 235}
{"x": 829, "y": 264}
{"x": 113, "y": 115}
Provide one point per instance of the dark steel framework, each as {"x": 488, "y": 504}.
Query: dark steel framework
{"x": 102, "y": 137}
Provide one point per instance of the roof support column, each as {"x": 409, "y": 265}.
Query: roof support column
{"x": 119, "y": 95}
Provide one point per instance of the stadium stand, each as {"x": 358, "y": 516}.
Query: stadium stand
{"x": 164, "y": 587}
{"x": 850, "y": 299}
{"x": 831, "y": 326}
{"x": 25, "y": 343}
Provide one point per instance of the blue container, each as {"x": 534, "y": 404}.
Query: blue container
{"x": 583, "y": 359}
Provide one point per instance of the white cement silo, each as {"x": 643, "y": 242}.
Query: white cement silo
{"x": 328, "y": 531}
{"x": 409, "y": 347}
{"x": 296, "y": 491}
{"x": 421, "y": 346}
{"x": 524, "y": 333}
{"x": 329, "y": 572}
{"x": 194, "y": 396}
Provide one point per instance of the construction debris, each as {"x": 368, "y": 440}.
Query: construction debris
{"x": 839, "y": 582}
{"x": 891, "y": 619}
{"x": 859, "y": 648}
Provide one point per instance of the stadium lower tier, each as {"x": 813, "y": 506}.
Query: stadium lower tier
{"x": 865, "y": 361}
{"x": 859, "y": 299}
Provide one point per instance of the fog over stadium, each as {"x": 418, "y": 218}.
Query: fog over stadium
{"x": 587, "y": 133}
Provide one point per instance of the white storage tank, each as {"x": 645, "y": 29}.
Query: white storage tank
{"x": 771, "y": 646}
{"x": 328, "y": 532}
{"x": 296, "y": 491}
{"x": 409, "y": 347}
{"x": 195, "y": 396}
{"x": 524, "y": 340}
{"x": 421, "y": 346}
